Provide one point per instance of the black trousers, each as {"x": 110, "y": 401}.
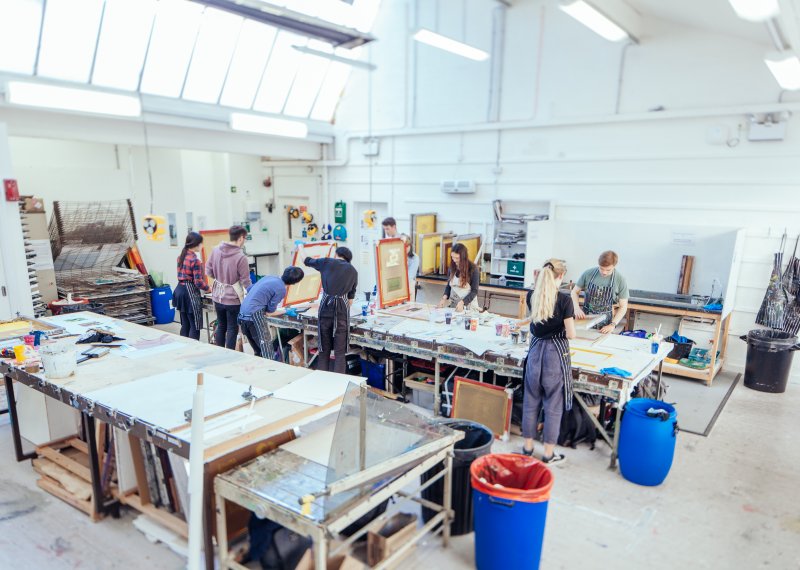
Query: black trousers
{"x": 254, "y": 337}
{"x": 189, "y": 326}
{"x": 227, "y": 325}
{"x": 329, "y": 343}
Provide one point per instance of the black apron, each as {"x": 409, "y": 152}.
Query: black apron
{"x": 338, "y": 305}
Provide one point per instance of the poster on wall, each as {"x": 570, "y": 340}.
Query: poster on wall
{"x": 172, "y": 222}
{"x": 392, "y": 263}
{"x": 189, "y": 222}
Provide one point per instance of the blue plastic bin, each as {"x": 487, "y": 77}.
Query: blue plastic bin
{"x": 161, "y": 301}
{"x": 374, "y": 373}
{"x": 509, "y": 519}
{"x": 647, "y": 441}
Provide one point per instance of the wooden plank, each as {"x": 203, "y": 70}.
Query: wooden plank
{"x": 79, "y": 444}
{"x": 139, "y": 469}
{"x": 65, "y": 462}
{"x": 172, "y": 522}
{"x": 54, "y": 489}
{"x": 73, "y": 484}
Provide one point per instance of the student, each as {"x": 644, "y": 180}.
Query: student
{"x": 191, "y": 281}
{"x": 413, "y": 266}
{"x": 262, "y": 301}
{"x": 462, "y": 281}
{"x": 548, "y": 370}
{"x": 389, "y": 227}
{"x": 339, "y": 280}
{"x": 605, "y": 287}
{"x": 228, "y": 267}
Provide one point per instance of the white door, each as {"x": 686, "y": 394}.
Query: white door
{"x": 294, "y": 192}
{"x": 363, "y": 242}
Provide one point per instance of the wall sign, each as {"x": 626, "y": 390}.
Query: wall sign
{"x": 12, "y": 190}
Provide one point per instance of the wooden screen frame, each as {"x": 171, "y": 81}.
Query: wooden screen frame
{"x": 438, "y": 251}
{"x": 459, "y": 381}
{"x": 465, "y": 238}
{"x": 381, "y": 295}
{"x": 298, "y": 263}
{"x": 416, "y": 221}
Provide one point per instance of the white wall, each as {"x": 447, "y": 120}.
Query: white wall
{"x": 572, "y": 130}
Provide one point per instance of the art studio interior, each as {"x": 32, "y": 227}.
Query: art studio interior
{"x": 399, "y": 284}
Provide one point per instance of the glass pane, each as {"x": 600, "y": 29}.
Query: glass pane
{"x": 247, "y": 66}
{"x": 69, "y": 37}
{"x": 212, "y": 55}
{"x": 19, "y": 34}
{"x": 308, "y": 81}
{"x": 174, "y": 34}
{"x": 123, "y": 43}
{"x": 333, "y": 86}
{"x": 280, "y": 72}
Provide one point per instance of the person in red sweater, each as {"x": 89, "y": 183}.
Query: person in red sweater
{"x": 227, "y": 266}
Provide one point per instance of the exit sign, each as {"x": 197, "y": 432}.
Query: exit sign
{"x": 12, "y": 190}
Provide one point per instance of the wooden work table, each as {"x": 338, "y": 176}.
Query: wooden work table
{"x": 487, "y": 292}
{"x": 227, "y": 443}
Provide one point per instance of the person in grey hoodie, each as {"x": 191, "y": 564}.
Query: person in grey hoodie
{"x": 228, "y": 266}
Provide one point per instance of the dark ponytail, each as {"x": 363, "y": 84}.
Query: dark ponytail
{"x": 193, "y": 239}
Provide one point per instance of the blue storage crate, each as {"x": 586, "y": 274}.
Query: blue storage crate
{"x": 374, "y": 373}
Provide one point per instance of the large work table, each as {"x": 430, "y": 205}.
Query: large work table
{"x": 414, "y": 330}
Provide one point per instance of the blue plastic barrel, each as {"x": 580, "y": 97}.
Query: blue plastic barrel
{"x": 161, "y": 301}
{"x": 647, "y": 441}
{"x": 510, "y": 493}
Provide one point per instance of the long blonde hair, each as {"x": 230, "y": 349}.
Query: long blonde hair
{"x": 545, "y": 290}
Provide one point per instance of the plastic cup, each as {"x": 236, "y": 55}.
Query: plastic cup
{"x": 19, "y": 352}
{"x": 498, "y": 329}
{"x": 473, "y": 324}
{"x": 448, "y": 317}
{"x": 514, "y": 337}
{"x": 467, "y": 323}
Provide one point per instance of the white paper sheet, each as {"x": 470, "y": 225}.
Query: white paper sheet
{"x": 162, "y": 399}
{"x": 317, "y": 388}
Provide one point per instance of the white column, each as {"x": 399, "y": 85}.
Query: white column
{"x": 13, "y": 268}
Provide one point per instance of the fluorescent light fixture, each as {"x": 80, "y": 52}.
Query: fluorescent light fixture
{"x": 334, "y": 57}
{"x": 595, "y": 20}
{"x": 449, "y": 44}
{"x": 71, "y": 99}
{"x": 756, "y": 10}
{"x": 785, "y": 66}
{"x": 268, "y": 126}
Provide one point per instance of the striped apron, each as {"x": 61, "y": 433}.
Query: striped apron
{"x": 562, "y": 344}
{"x": 196, "y": 303}
{"x": 599, "y": 300}
{"x": 263, "y": 334}
{"x": 336, "y": 303}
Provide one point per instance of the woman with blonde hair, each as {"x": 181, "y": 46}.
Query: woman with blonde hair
{"x": 548, "y": 370}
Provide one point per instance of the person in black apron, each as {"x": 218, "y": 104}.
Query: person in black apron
{"x": 548, "y": 367}
{"x": 604, "y": 287}
{"x": 463, "y": 280}
{"x": 339, "y": 281}
{"x": 191, "y": 280}
{"x": 262, "y": 301}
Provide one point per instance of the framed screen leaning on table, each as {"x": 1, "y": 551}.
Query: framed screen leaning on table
{"x": 392, "y": 264}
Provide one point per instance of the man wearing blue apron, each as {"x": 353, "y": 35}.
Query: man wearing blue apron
{"x": 604, "y": 287}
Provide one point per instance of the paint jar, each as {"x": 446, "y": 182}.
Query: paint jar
{"x": 467, "y": 322}
{"x": 28, "y": 339}
{"x": 19, "y": 353}
{"x": 473, "y": 324}
{"x": 523, "y": 335}
{"x": 364, "y": 309}
{"x": 655, "y": 342}
{"x": 506, "y": 329}
{"x": 514, "y": 337}
{"x": 448, "y": 317}
{"x": 498, "y": 329}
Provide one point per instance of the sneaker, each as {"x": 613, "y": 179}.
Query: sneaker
{"x": 527, "y": 452}
{"x": 554, "y": 459}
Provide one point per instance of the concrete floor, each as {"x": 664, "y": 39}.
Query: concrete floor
{"x": 729, "y": 502}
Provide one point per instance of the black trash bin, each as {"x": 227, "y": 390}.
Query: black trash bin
{"x": 769, "y": 360}
{"x": 477, "y": 442}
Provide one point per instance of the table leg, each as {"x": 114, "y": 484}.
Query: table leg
{"x": 222, "y": 533}
{"x": 94, "y": 465}
{"x": 12, "y": 412}
{"x": 713, "y": 364}
{"x": 448, "y": 499}
{"x": 305, "y": 348}
{"x": 320, "y": 552}
{"x": 437, "y": 395}
{"x": 658, "y": 383}
{"x": 280, "y": 343}
{"x": 615, "y": 447}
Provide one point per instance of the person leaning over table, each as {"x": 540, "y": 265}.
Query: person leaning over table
{"x": 262, "y": 301}
{"x": 604, "y": 287}
{"x": 548, "y": 368}
{"x": 339, "y": 281}
{"x": 463, "y": 280}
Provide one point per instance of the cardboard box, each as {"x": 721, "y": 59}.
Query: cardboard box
{"x": 339, "y": 562}
{"x": 296, "y": 354}
{"x": 32, "y": 204}
{"x": 397, "y": 531}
